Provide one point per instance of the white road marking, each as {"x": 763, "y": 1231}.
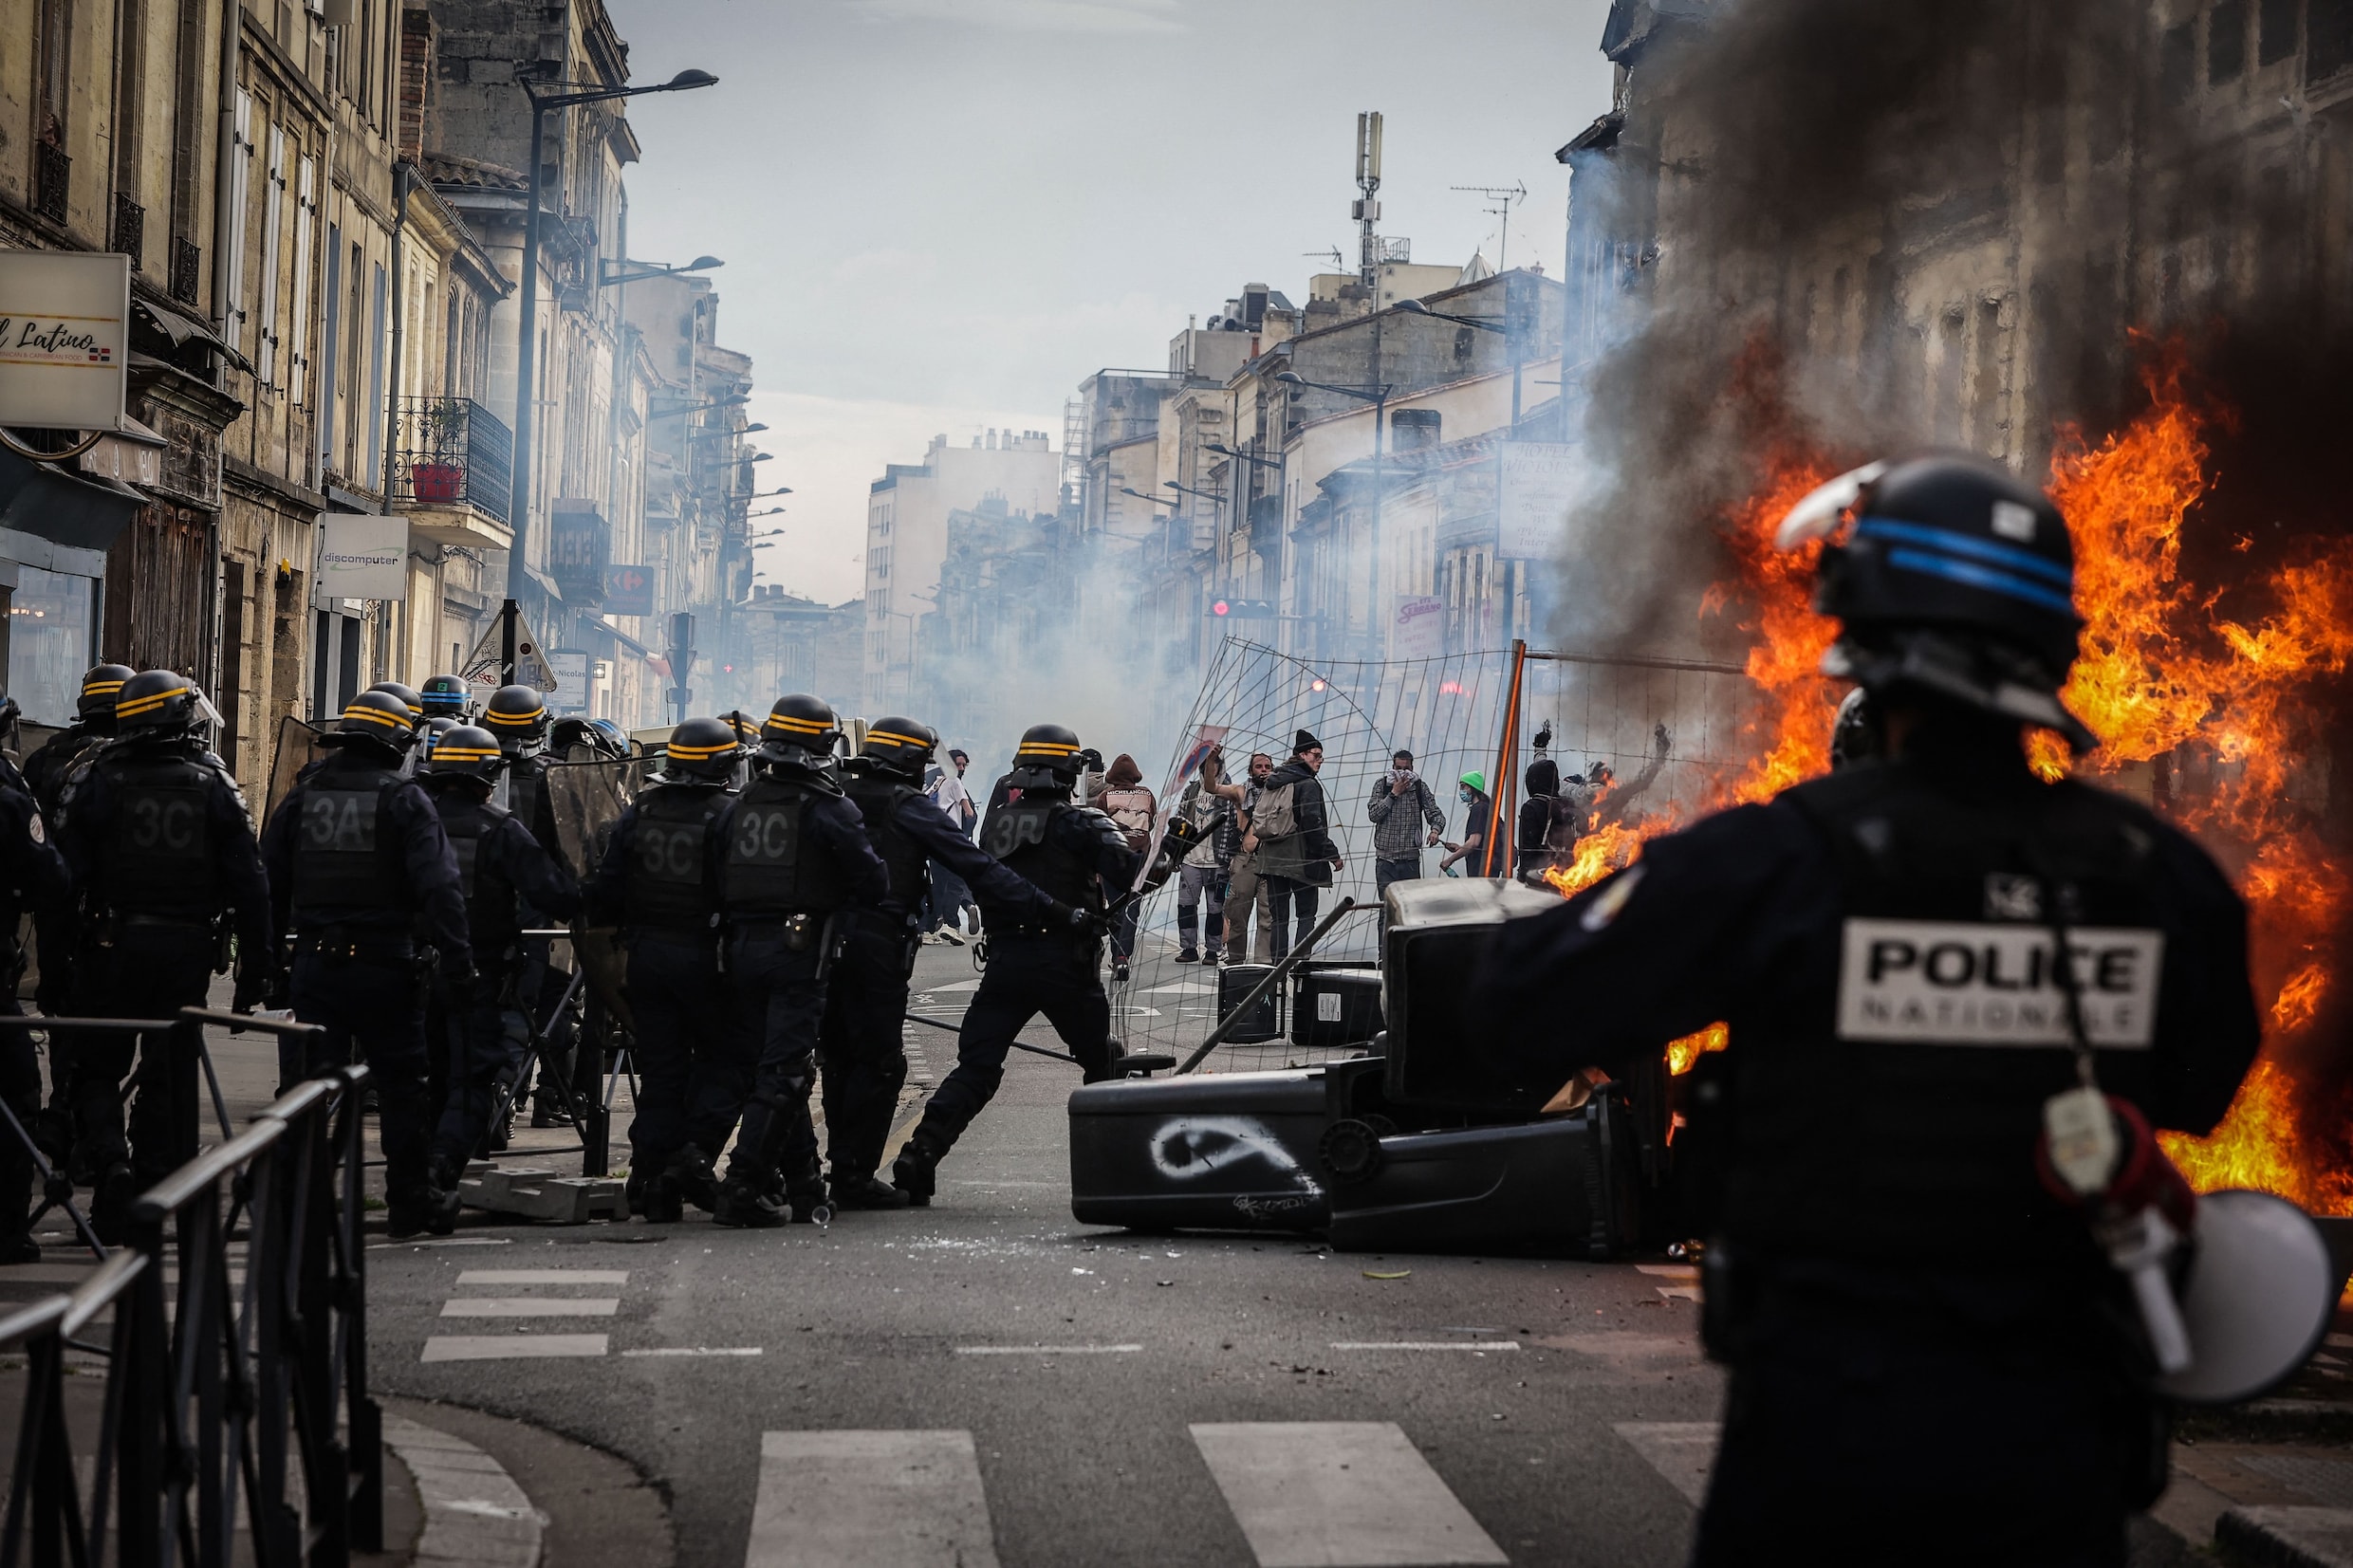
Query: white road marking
{"x": 1048, "y": 1349}
{"x": 453, "y": 1240}
{"x": 531, "y": 1306}
{"x": 1681, "y": 1451}
{"x": 870, "y": 1500}
{"x": 697, "y": 1350}
{"x": 1426, "y": 1344}
{"x": 510, "y": 1347}
{"x": 1678, "y": 1292}
{"x": 543, "y": 1277}
{"x": 1686, "y": 1272}
{"x": 1313, "y": 1494}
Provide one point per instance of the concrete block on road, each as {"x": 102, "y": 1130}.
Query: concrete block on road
{"x": 2286, "y": 1536}
{"x": 537, "y": 1194}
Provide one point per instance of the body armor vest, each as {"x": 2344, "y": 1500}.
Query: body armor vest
{"x": 774, "y": 866}
{"x": 1021, "y": 835}
{"x": 346, "y": 850}
{"x": 669, "y": 857}
{"x": 1903, "y": 1119}
{"x": 527, "y": 795}
{"x": 877, "y": 798}
{"x": 490, "y": 917}
{"x": 159, "y": 859}
{"x": 47, "y": 769}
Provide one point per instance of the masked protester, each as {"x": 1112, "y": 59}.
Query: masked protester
{"x": 1478, "y": 807}
{"x": 1249, "y": 903}
{"x": 359, "y": 866}
{"x": 1914, "y": 1319}
{"x": 658, "y": 883}
{"x": 162, "y": 850}
{"x": 860, "y": 1049}
{"x": 794, "y": 860}
{"x": 1036, "y": 963}
{"x": 1402, "y": 810}
{"x": 476, "y": 1034}
{"x": 32, "y": 876}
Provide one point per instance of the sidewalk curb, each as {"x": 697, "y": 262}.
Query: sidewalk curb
{"x": 475, "y": 1516}
{"x": 2288, "y": 1536}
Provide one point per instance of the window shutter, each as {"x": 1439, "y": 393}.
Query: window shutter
{"x": 273, "y": 247}
{"x": 240, "y": 180}
{"x": 305, "y": 219}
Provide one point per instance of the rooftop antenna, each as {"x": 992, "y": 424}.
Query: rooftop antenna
{"x": 1333, "y": 256}
{"x": 1365, "y": 210}
{"x": 1503, "y": 198}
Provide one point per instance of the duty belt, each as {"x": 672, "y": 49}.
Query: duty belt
{"x": 387, "y": 948}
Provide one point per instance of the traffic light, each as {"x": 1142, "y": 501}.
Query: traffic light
{"x": 1242, "y": 609}
{"x": 1221, "y": 607}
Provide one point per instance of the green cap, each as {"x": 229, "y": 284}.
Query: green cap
{"x": 1476, "y": 781}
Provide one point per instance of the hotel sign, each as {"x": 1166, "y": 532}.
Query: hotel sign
{"x": 64, "y": 318}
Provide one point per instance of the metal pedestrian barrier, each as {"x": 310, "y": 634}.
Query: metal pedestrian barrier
{"x": 231, "y": 1406}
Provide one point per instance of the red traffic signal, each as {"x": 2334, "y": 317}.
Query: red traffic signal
{"x": 1221, "y": 608}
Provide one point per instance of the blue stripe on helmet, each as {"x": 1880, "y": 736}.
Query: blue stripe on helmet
{"x": 1935, "y": 538}
{"x": 1981, "y": 577}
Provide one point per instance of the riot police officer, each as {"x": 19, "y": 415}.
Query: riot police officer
{"x": 860, "y": 1052}
{"x": 358, "y": 863}
{"x": 1914, "y": 1323}
{"x": 658, "y": 883}
{"x": 1035, "y": 965}
{"x": 445, "y": 697}
{"x": 32, "y": 875}
{"x": 476, "y": 1039}
{"x": 163, "y": 853}
{"x": 794, "y": 857}
{"x": 518, "y": 716}
{"x": 93, "y": 724}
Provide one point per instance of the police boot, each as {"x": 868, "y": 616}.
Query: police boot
{"x": 867, "y": 1190}
{"x": 443, "y": 1199}
{"x": 410, "y": 1212}
{"x": 689, "y": 1174}
{"x": 913, "y": 1171}
{"x": 633, "y": 1189}
{"x": 748, "y": 1205}
{"x": 110, "y": 1202}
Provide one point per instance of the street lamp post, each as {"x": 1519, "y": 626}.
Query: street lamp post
{"x": 1416, "y": 307}
{"x": 1378, "y": 397}
{"x": 526, "y": 328}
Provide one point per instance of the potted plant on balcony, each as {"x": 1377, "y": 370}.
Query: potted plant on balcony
{"x": 438, "y": 474}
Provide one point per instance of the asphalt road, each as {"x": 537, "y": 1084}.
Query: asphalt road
{"x": 1544, "y": 1412}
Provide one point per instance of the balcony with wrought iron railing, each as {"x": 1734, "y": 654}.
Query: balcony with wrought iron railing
{"x": 452, "y": 468}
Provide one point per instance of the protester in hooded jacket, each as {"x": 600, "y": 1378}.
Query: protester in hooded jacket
{"x": 1133, "y": 809}
{"x": 1290, "y": 834}
{"x": 1531, "y": 851}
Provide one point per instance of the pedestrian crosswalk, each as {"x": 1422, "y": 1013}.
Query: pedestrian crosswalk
{"x": 518, "y": 1345}
{"x": 1305, "y": 1494}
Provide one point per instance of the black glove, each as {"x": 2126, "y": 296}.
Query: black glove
{"x": 462, "y": 985}
{"x": 1082, "y": 922}
{"x": 253, "y": 986}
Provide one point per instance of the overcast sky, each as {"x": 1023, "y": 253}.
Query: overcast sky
{"x": 939, "y": 215}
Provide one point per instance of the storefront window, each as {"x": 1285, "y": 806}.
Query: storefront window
{"x": 50, "y": 618}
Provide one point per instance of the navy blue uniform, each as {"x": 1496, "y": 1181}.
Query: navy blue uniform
{"x": 794, "y": 852}
{"x": 659, "y": 882}
{"x": 862, "y": 1046}
{"x": 161, "y": 846}
{"x": 477, "y": 1037}
{"x": 1912, "y": 1323}
{"x": 32, "y": 876}
{"x": 358, "y": 862}
{"x": 528, "y": 801}
{"x": 1072, "y": 853}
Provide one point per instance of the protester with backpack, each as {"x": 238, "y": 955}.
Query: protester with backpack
{"x": 1290, "y": 835}
{"x": 1135, "y": 810}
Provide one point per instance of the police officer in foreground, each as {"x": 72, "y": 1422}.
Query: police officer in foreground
{"x": 162, "y": 854}
{"x": 32, "y": 875}
{"x": 517, "y": 715}
{"x": 794, "y": 859}
{"x": 475, "y": 1034}
{"x": 1915, "y": 1326}
{"x": 658, "y": 884}
{"x": 358, "y": 863}
{"x": 861, "y": 1046}
{"x": 1035, "y": 965}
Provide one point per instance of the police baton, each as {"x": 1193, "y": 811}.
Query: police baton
{"x": 955, "y": 1028}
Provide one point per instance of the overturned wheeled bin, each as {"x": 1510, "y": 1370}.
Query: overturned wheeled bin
{"x": 1200, "y": 1152}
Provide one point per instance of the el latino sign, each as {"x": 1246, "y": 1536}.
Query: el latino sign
{"x": 63, "y": 320}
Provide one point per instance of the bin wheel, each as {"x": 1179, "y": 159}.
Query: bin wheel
{"x": 1351, "y": 1151}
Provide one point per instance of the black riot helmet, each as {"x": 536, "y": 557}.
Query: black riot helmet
{"x": 445, "y": 695}
{"x": 900, "y": 744}
{"x": 799, "y": 728}
{"x": 1047, "y": 758}
{"x": 101, "y": 688}
{"x": 1957, "y": 578}
{"x": 430, "y": 733}
{"x": 409, "y": 699}
{"x": 373, "y": 720}
{"x": 518, "y": 716}
{"x": 463, "y": 751}
{"x": 702, "y": 751}
{"x": 160, "y": 702}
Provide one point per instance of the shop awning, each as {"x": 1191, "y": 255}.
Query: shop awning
{"x": 79, "y": 510}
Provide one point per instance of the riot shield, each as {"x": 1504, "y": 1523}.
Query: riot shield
{"x": 298, "y": 748}
{"x": 586, "y": 797}
{"x": 30, "y": 738}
